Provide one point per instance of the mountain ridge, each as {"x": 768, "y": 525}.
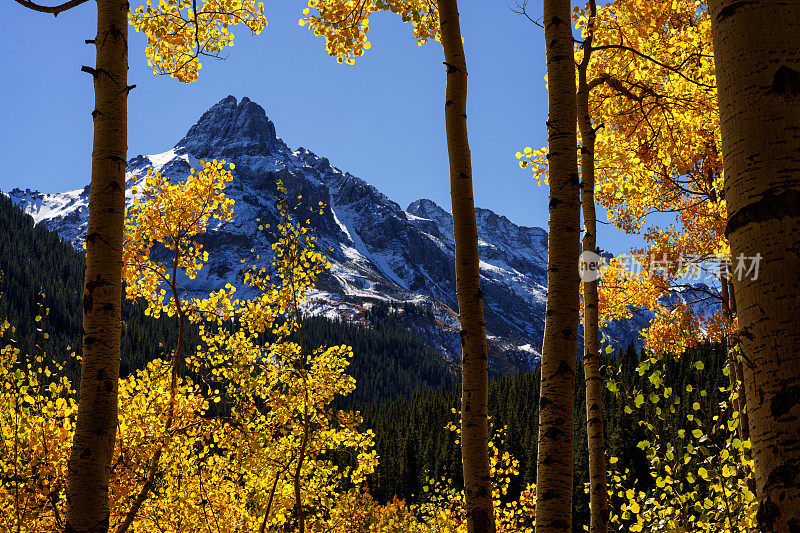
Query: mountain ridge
{"x": 378, "y": 250}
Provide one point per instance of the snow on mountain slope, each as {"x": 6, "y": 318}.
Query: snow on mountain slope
{"x": 378, "y": 251}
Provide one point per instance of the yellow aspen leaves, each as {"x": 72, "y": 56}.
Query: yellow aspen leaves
{"x": 536, "y": 160}
{"x": 653, "y": 103}
{"x": 442, "y": 507}
{"x": 180, "y": 32}
{"x": 344, "y": 23}
{"x": 172, "y": 216}
{"x": 37, "y": 417}
{"x": 252, "y": 418}
{"x": 700, "y": 468}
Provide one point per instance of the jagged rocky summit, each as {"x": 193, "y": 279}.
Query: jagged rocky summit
{"x": 378, "y": 250}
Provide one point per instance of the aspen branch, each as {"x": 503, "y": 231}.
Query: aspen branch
{"x": 615, "y": 84}
{"x": 656, "y": 61}
{"x": 54, "y": 10}
{"x": 522, "y": 9}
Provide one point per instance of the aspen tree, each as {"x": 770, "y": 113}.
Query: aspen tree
{"x": 475, "y": 359}
{"x": 347, "y": 41}
{"x": 598, "y": 491}
{"x": 555, "y": 455}
{"x": 93, "y": 444}
{"x": 757, "y": 56}
{"x": 203, "y": 32}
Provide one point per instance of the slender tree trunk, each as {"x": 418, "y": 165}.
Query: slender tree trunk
{"x": 177, "y": 357}
{"x": 475, "y": 359}
{"x": 598, "y": 490}
{"x": 559, "y": 350}
{"x": 757, "y": 56}
{"x": 298, "y": 495}
{"x": 93, "y": 445}
{"x": 744, "y": 419}
{"x": 734, "y": 367}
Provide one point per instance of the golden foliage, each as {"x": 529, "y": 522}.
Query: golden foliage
{"x": 246, "y": 438}
{"x": 171, "y": 216}
{"x": 180, "y": 32}
{"x": 701, "y": 470}
{"x": 344, "y": 23}
{"x": 37, "y": 419}
{"x": 653, "y": 102}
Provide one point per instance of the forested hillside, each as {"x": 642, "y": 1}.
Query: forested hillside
{"x": 41, "y": 271}
{"x": 404, "y": 388}
{"x": 389, "y": 360}
{"x": 415, "y": 443}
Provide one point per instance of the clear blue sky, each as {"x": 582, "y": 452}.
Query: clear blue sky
{"x": 381, "y": 119}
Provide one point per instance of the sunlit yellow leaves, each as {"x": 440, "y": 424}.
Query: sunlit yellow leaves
{"x": 37, "y": 416}
{"x": 622, "y": 289}
{"x": 700, "y": 472}
{"x": 180, "y": 32}
{"x": 172, "y": 216}
{"x": 286, "y": 443}
{"x": 249, "y": 427}
{"x": 653, "y": 90}
{"x": 441, "y": 506}
{"x": 344, "y": 23}
{"x": 652, "y": 101}
{"x": 537, "y": 161}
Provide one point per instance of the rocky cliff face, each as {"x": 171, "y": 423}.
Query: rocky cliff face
{"x": 378, "y": 250}
{"x": 230, "y": 130}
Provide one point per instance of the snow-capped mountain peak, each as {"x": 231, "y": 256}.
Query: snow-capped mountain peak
{"x": 230, "y": 130}
{"x": 378, "y": 251}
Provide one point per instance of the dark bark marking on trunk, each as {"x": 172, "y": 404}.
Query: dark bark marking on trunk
{"x": 767, "y": 514}
{"x": 451, "y": 69}
{"x": 119, "y": 160}
{"x": 563, "y": 368}
{"x": 552, "y": 433}
{"x": 785, "y": 475}
{"x": 784, "y": 401}
{"x": 772, "y": 206}
{"x": 560, "y": 524}
{"x": 729, "y": 11}
{"x": 786, "y": 82}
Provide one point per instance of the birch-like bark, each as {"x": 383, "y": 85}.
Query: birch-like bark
{"x": 559, "y": 350}
{"x": 757, "y": 57}
{"x": 598, "y": 490}
{"x": 95, "y": 430}
{"x": 475, "y": 360}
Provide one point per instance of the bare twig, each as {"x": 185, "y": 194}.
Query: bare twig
{"x": 521, "y": 8}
